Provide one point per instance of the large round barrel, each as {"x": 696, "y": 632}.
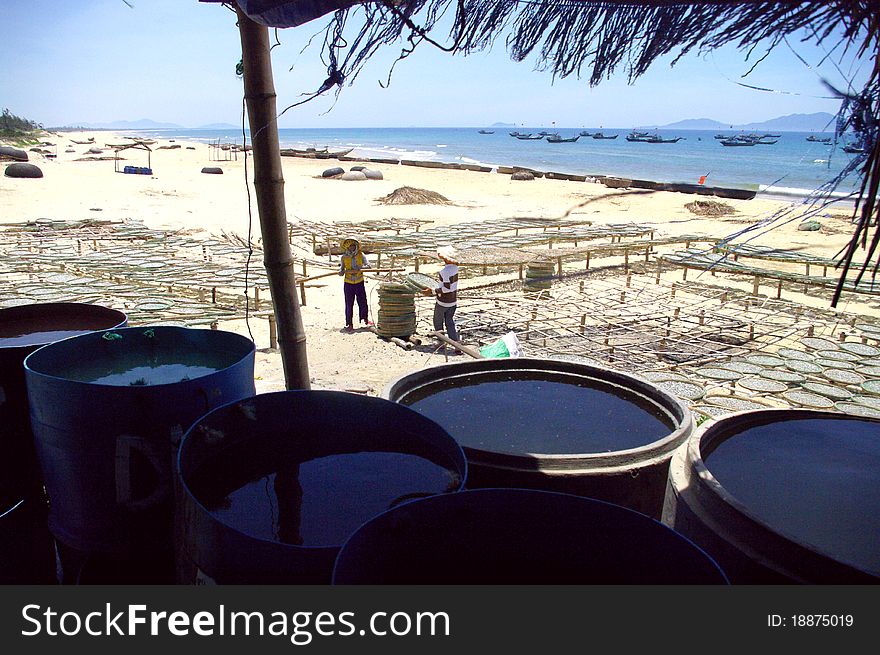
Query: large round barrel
{"x": 519, "y": 536}
{"x": 781, "y": 496}
{"x": 108, "y": 410}
{"x": 554, "y": 425}
{"x": 23, "y": 329}
{"x": 273, "y": 485}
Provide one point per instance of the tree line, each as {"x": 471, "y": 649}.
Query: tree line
{"x": 12, "y": 125}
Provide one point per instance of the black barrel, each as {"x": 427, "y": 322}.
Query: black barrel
{"x": 27, "y": 552}
{"x": 23, "y": 329}
{"x": 273, "y": 485}
{"x": 554, "y": 425}
{"x": 782, "y": 496}
{"x": 519, "y": 536}
{"x": 108, "y": 411}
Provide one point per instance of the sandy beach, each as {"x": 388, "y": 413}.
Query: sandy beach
{"x": 178, "y": 196}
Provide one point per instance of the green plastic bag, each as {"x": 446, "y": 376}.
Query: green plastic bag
{"x": 506, "y": 346}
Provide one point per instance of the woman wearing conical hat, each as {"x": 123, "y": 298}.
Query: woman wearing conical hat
{"x": 351, "y": 265}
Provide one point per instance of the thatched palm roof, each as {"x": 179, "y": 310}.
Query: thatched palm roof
{"x": 595, "y": 39}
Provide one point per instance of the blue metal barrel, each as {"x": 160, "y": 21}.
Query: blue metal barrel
{"x": 108, "y": 411}
{"x": 273, "y": 485}
{"x": 519, "y": 536}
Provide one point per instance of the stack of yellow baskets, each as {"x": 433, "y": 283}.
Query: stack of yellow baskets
{"x": 397, "y": 310}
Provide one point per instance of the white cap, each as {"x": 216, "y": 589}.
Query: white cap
{"x": 448, "y": 252}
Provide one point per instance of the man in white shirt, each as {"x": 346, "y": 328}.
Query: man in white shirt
{"x": 447, "y": 292}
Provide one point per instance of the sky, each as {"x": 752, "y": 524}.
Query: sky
{"x": 98, "y": 61}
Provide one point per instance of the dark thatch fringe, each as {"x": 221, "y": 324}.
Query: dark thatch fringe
{"x": 594, "y": 39}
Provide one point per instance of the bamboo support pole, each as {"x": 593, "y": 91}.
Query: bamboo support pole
{"x": 259, "y": 93}
{"x": 273, "y": 333}
{"x": 473, "y": 352}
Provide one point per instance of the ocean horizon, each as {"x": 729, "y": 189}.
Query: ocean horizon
{"x": 792, "y": 166}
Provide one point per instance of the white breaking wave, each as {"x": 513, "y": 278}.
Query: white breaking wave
{"x": 396, "y": 153}
{"x": 797, "y": 193}
{"x": 468, "y": 160}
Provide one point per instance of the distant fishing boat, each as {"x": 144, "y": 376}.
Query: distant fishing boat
{"x": 585, "y": 133}
{"x": 763, "y": 141}
{"x": 658, "y": 139}
{"x": 646, "y": 137}
{"x": 515, "y": 134}
{"x": 818, "y": 140}
{"x": 853, "y": 150}
{"x": 529, "y": 137}
{"x": 486, "y": 132}
{"x": 555, "y": 138}
{"x": 599, "y": 135}
{"x": 738, "y": 142}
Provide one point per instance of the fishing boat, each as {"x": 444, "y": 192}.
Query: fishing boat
{"x": 854, "y": 149}
{"x": 514, "y": 133}
{"x": 763, "y": 141}
{"x": 599, "y": 135}
{"x": 585, "y": 133}
{"x": 529, "y": 137}
{"x": 658, "y": 139}
{"x": 555, "y": 138}
{"x": 815, "y": 139}
{"x": 486, "y": 132}
{"x": 645, "y": 137}
{"x": 738, "y": 142}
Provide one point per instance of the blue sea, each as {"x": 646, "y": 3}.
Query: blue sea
{"x": 793, "y": 166}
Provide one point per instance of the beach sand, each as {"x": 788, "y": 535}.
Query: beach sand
{"x": 178, "y": 196}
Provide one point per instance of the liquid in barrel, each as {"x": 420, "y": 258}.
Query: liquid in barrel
{"x": 320, "y": 502}
{"x": 16, "y": 337}
{"x": 816, "y": 481}
{"x": 533, "y": 414}
{"x": 143, "y": 369}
